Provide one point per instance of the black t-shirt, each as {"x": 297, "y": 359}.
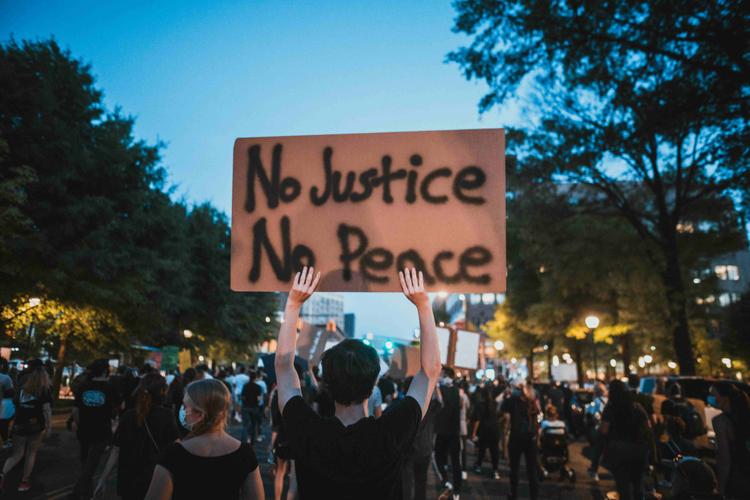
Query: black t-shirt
{"x": 523, "y": 416}
{"x": 250, "y": 395}
{"x": 448, "y": 420}
{"x": 629, "y": 426}
{"x": 208, "y": 477}
{"x": 387, "y": 388}
{"x": 362, "y": 460}
{"x": 95, "y": 403}
{"x": 30, "y": 412}
{"x": 138, "y": 452}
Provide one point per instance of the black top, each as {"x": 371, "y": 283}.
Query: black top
{"x": 251, "y": 395}
{"x": 448, "y": 421}
{"x": 217, "y": 478}
{"x": 424, "y": 442}
{"x": 630, "y": 425}
{"x": 95, "y": 403}
{"x": 30, "y": 412}
{"x": 523, "y": 416}
{"x": 361, "y": 461}
{"x": 138, "y": 452}
{"x": 485, "y": 412}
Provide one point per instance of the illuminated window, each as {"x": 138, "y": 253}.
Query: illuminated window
{"x": 724, "y": 299}
{"x": 488, "y": 298}
{"x": 727, "y": 272}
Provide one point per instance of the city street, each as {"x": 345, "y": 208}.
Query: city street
{"x": 57, "y": 467}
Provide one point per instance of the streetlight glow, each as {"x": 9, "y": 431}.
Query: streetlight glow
{"x": 268, "y": 319}
{"x": 726, "y": 362}
{"x": 612, "y": 363}
{"x": 647, "y": 358}
{"x": 34, "y": 301}
{"x": 187, "y": 334}
{"x": 592, "y": 321}
{"x": 499, "y": 345}
{"x": 672, "y": 365}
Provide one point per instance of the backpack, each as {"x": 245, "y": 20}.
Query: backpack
{"x": 29, "y": 415}
{"x": 694, "y": 426}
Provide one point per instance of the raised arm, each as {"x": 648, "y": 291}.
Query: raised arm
{"x": 412, "y": 283}
{"x": 288, "y": 384}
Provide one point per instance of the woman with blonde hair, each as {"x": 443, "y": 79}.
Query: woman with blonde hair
{"x": 208, "y": 463}
{"x": 33, "y": 422}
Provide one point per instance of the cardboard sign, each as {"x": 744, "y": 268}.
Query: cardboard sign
{"x": 361, "y": 206}
{"x": 467, "y": 349}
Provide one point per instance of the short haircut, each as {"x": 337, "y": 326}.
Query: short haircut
{"x": 449, "y": 372}
{"x": 350, "y": 370}
{"x": 99, "y": 368}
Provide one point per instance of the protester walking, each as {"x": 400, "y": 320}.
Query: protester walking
{"x": 627, "y": 432}
{"x": 33, "y": 422}
{"x": 448, "y": 432}
{"x": 143, "y": 433}
{"x": 732, "y": 429}
{"x": 208, "y": 463}
{"x": 95, "y": 407}
{"x": 522, "y": 409}
{"x": 418, "y": 460}
{"x": 251, "y": 409}
{"x": 486, "y": 430}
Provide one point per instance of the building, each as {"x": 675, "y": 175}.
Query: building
{"x": 323, "y": 307}
{"x": 349, "y": 325}
{"x": 478, "y": 308}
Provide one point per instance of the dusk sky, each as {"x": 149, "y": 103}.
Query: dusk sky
{"x": 197, "y": 75}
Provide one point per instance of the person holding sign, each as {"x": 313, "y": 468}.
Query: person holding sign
{"x": 353, "y": 455}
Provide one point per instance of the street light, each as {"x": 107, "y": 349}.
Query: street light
{"x": 592, "y": 322}
{"x": 187, "y": 334}
{"x": 499, "y": 345}
{"x": 34, "y": 301}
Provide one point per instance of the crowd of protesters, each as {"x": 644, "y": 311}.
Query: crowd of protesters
{"x": 341, "y": 430}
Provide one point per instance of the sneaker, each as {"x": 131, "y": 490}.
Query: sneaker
{"x": 464, "y": 475}
{"x": 593, "y": 475}
{"x": 448, "y": 485}
{"x": 496, "y": 475}
{"x": 455, "y": 496}
{"x": 24, "y": 486}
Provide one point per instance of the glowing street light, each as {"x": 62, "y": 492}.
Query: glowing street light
{"x": 268, "y": 319}
{"x": 499, "y": 345}
{"x": 672, "y": 365}
{"x": 592, "y": 321}
{"x": 187, "y": 334}
{"x": 726, "y": 362}
{"x": 34, "y": 301}
{"x": 612, "y": 363}
{"x": 648, "y": 358}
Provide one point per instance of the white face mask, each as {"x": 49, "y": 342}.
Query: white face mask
{"x": 183, "y": 419}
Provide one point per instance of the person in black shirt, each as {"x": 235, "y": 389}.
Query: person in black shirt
{"x": 142, "y": 434}
{"x": 418, "y": 460}
{"x": 251, "y": 409}
{"x": 448, "y": 431}
{"x": 487, "y": 429}
{"x": 522, "y": 408}
{"x": 209, "y": 463}
{"x": 352, "y": 455}
{"x": 93, "y": 413}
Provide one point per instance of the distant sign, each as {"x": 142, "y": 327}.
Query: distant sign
{"x": 361, "y": 206}
{"x": 467, "y": 350}
{"x": 444, "y": 340}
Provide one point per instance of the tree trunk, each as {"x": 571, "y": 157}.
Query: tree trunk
{"x": 625, "y": 342}
{"x": 530, "y": 363}
{"x": 60, "y": 365}
{"x": 675, "y": 289}
{"x": 579, "y": 362}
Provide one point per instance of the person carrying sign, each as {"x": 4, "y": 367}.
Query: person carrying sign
{"x": 353, "y": 455}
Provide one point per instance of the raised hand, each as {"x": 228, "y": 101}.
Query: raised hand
{"x": 412, "y": 284}
{"x": 304, "y": 286}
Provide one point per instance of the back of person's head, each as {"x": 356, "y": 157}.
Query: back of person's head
{"x": 551, "y": 412}
{"x": 189, "y": 375}
{"x": 449, "y": 372}
{"x": 634, "y": 381}
{"x": 253, "y": 375}
{"x": 3, "y": 365}
{"x": 149, "y": 394}
{"x": 99, "y": 368}
{"x": 620, "y": 400}
{"x": 36, "y": 382}
{"x": 693, "y": 478}
{"x": 350, "y": 370}
{"x": 211, "y": 397}
{"x": 241, "y": 369}
{"x": 739, "y": 407}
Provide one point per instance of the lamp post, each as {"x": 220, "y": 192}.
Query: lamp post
{"x": 592, "y": 322}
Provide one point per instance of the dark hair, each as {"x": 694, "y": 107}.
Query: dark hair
{"x": 620, "y": 401}
{"x": 99, "y": 367}
{"x": 449, "y": 372}
{"x": 149, "y": 393}
{"x": 634, "y": 380}
{"x": 739, "y": 410}
{"x": 350, "y": 370}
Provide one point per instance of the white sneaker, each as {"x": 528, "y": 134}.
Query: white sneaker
{"x": 594, "y": 476}
{"x": 464, "y": 475}
{"x": 455, "y": 496}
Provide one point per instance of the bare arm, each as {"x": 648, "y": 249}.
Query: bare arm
{"x": 161, "y": 485}
{"x": 288, "y": 384}
{"x": 252, "y": 488}
{"x": 412, "y": 283}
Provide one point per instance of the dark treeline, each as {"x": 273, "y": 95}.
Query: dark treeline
{"x": 87, "y": 224}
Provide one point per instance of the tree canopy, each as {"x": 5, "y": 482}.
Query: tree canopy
{"x": 643, "y": 103}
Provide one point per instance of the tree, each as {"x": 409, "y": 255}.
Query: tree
{"x": 644, "y": 102}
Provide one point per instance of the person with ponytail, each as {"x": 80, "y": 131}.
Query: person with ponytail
{"x": 208, "y": 462}
{"x": 142, "y": 434}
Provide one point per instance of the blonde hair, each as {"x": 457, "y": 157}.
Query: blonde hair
{"x": 212, "y": 398}
{"x": 37, "y": 382}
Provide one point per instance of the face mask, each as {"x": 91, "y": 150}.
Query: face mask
{"x": 183, "y": 419}
{"x": 711, "y": 400}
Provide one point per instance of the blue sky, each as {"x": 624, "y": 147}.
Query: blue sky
{"x": 197, "y": 75}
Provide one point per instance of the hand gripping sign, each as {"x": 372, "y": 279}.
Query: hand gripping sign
{"x": 361, "y": 206}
